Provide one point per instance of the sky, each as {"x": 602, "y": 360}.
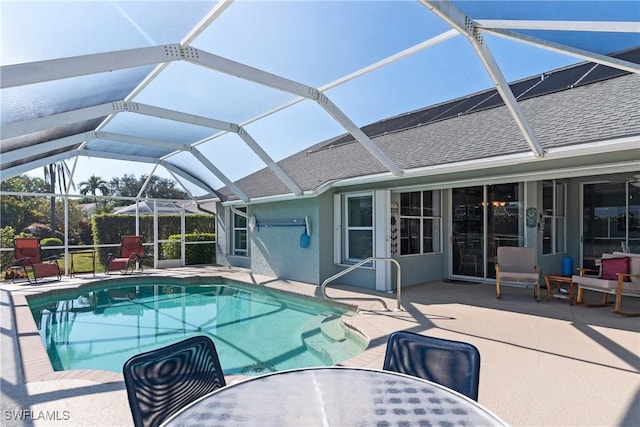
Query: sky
{"x": 310, "y": 42}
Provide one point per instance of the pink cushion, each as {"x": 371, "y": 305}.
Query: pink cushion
{"x": 612, "y": 266}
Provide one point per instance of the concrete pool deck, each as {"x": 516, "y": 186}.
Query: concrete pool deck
{"x": 548, "y": 364}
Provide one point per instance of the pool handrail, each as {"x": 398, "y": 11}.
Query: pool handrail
{"x": 360, "y": 264}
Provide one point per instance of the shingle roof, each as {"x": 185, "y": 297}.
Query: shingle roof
{"x": 601, "y": 106}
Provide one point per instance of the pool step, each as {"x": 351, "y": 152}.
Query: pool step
{"x": 333, "y": 329}
{"x": 331, "y": 335}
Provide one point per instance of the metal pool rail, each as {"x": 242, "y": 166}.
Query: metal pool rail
{"x": 359, "y": 264}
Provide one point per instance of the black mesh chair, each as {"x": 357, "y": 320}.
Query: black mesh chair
{"x": 453, "y": 364}
{"x": 162, "y": 381}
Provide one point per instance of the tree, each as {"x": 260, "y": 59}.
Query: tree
{"x": 21, "y": 211}
{"x": 93, "y": 185}
{"x": 160, "y": 188}
{"x": 56, "y": 173}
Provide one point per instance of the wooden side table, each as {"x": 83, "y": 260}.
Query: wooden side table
{"x": 558, "y": 280}
{"x": 83, "y": 252}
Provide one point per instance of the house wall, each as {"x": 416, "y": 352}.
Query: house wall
{"x": 275, "y": 251}
{"x": 223, "y": 240}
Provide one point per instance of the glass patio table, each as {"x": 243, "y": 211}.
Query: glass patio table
{"x": 334, "y": 396}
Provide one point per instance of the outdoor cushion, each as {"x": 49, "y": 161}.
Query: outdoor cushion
{"x": 513, "y": 275}
{"x": 612, "y": 266}
{"x": 593, "y": 282}
{"x": 634, "y": 264}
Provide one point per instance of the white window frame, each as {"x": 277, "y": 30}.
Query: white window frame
{"x": 556, "y": 216}
{"x": 342, "y": 228}
{"x": 421, "y": 217}
{"x": 234, "y": 249}
{"x": 348, "y": 228}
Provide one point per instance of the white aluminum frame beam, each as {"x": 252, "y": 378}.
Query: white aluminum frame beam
{"x": 45, "y": 147}
{"x": 467, "y": 27}
{"x": 41, "y": 71}
{"x": 567, "y": 50}
{"x": 21, "y": 128}
{"x": 196, "y": 181}
{"x": 151, "y": 160}
{"x": 62, "y": 68}
{"x": 264, "y": 78}
{"x": 219, "y": 125}
{"x": 174, "y": 146}
{"x": 365, "y": 70}
{"x": 557, "y": 25}
{"x": 26, "y": 167}
{"x": 55, "y": 120}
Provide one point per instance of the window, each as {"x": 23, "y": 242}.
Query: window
{"x": 420, "y": 222}
{"x": 554, "y": 216}
{"x": 359, "y": 227}
{"x": 240, "y": 233}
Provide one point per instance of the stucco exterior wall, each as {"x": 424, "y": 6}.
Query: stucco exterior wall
{"x": 276, "y": 250}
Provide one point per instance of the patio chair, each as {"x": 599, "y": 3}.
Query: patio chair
{"x": 27, "y": 257}
{"x": 518, "y": 264}
{"x": 131, "y": 253}
{"x": 162, "y": 381}
{"x": 619, "y": 275}
{"x": 453, "y": 364}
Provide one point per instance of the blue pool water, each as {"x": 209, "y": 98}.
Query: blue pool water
{"x": 255, "y": 330}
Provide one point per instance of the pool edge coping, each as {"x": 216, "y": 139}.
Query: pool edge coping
{"x": 36, "y": 365}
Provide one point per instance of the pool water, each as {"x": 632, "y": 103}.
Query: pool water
{"x": 255, "y": 330}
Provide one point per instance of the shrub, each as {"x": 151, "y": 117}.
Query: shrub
{"x": 108, "y": 229}
{"x": 50, "y": 241}
{"x": 7, "y": 235}
{"x": 195, "y": 254}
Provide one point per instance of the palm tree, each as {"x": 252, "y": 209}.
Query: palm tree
{"x": 57, "y": 173}
{"x": 93, "y": 185}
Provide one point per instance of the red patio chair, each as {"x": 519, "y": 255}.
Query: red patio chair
{"x": 28, "y": 258}
{"x": 131, "y": 253}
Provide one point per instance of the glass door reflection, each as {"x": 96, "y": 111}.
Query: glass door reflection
{"x": 484, "y": 218}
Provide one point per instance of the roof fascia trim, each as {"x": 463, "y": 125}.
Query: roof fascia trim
{"x": 270, "y": 199}
{"x": 568, "y": 50}
{"x": 563, "y": 173}
{"x": 466, "y": 26}
{"x": 598, "y": 147}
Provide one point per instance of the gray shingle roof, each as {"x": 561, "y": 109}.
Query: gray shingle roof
{"x": 602, "y": 110}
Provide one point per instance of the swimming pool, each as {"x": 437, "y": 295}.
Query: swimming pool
{"x": 255, "y": 330}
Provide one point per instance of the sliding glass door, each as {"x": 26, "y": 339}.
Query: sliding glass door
{"x": 484, "y": 218}
{"x": 611, "y": 217}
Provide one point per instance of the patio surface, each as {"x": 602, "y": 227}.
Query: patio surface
{"x": 543, "y": 364}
